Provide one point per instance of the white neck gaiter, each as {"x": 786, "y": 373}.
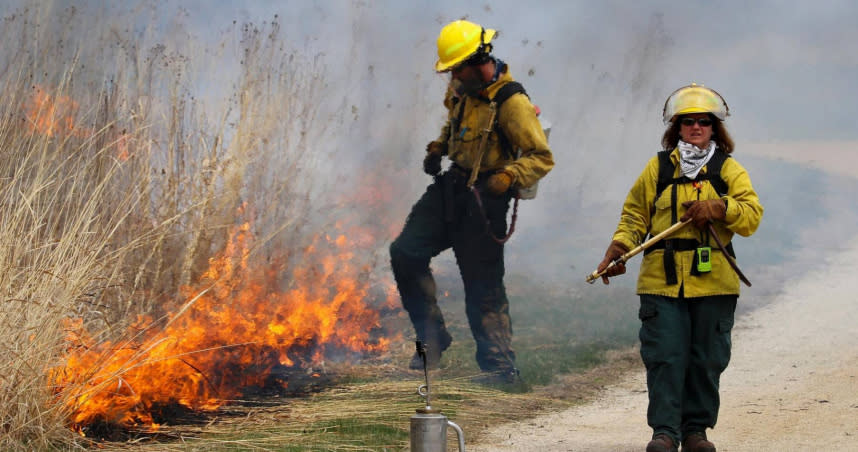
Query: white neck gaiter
{"x": 692, "y": 158}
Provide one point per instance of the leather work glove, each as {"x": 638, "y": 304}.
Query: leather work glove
{"x": 499, "y": 183}
{"x": 615, "y": 250}
{"x": 703, "y": 212}
{"x": 432, "y": 162}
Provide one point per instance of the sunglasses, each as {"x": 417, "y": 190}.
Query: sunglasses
{"x": 704, "y": 122}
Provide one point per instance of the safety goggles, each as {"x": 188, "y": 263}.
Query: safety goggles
{"x": 476, "y": 60}
{"x": 704, "y": 122}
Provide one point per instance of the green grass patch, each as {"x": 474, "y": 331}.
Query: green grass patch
{"x": 553, "y": 333}
{"x": 370, "y": 406}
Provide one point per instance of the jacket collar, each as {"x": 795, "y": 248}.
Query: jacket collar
{"x": 503, "y": 78}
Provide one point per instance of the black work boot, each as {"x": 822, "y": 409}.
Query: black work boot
{"x": 507, "y": 380}
{"x": 433, "y": 359}
{"x": 498, "y": 377}
{"x": 433, "y": 353}
{"x": 697, "y": 442}
{"x": 661, "y": 443}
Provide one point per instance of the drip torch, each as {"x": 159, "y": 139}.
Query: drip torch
{"x": 428, "y": 425}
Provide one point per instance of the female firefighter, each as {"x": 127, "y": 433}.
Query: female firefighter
{"x": 483, "y": 130}
{"x": 687, "y": 288}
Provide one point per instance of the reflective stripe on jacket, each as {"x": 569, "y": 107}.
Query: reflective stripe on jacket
{"x": 640, "y": 217}
{"x": 517, "y": 118}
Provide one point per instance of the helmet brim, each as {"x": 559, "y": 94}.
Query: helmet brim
{"x": 441, "y": 66}
{"x": 694, "y": 99}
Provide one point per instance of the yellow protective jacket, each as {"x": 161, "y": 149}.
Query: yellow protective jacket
{"x": 516, "y": 117}
{"x": 640, "y": 217}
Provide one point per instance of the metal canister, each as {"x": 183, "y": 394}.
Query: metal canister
{"x": 428, "y": 425}
{"x": 429, "y": 431}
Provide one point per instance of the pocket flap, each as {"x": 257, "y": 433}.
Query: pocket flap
{"x": 647, "y": 311}
{"x": 725, "y": 325}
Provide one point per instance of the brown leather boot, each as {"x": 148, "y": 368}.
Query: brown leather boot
{"x": 661, "y": 443}
{"x": 697, "y": 442}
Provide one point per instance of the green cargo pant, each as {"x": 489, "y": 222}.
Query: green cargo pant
{"x": 447, "y": 216}
{"x": 685, "y": 346}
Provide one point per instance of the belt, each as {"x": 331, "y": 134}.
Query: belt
{"x": 685, "y": 245}
{"x": 675, "y": 245}
{"x": 459, "y": 170}
{"x": 670, "y": 246}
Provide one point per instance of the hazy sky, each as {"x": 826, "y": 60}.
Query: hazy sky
{"x": 788, "y": 69}
{"x": 600, "y": 71}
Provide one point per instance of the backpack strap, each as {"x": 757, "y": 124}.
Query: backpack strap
{"x": 665, "y": 173}
{"x": 713, "y": 172}
{"x": 505, "y": 92}
{"x": 666, "y": 168}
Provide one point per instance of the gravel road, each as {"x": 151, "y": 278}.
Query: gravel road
{"x": 792, "y": 383}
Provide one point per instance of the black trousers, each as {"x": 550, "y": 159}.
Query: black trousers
{"x": 685, "y": 346}
{"x": 447, "y": 216}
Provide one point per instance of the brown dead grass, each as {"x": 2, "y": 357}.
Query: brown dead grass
{"x": 118, "y": 182}
{"x": 388, "y": 398}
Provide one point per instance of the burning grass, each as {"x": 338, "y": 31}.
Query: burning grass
{"x": 366, "y": 406}
{"x": 170, "y": 258}
{"x": 234, "y": 332}
{"x": 132, "y": 289}
{"x": 370, "y": 409}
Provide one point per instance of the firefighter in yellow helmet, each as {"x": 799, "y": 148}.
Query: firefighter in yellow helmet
{"x": 496, "y": 146}
{"x": 688, "y": 291}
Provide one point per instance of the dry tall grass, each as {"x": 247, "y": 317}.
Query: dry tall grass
{"x": 120, "y": 175}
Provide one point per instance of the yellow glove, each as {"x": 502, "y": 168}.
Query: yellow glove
{"x": 499, "y": 183}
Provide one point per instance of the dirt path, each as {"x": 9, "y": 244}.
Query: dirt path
{"x": 792, "y": 383}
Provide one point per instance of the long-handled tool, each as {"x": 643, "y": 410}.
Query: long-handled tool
{"x": 727, "y": 256}
{"x": 592, "y": 277}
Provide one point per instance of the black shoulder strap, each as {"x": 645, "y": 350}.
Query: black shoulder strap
{"x": 665, "y": 172}
{"x": 666, "y": 169}
{"x": 713, "y": 171}
{"x": 458, "y": 114}
{"x": 504, "y": 93}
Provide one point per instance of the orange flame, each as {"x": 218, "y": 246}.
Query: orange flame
{"x": 55, "y": 116}
{"x": 233, "y": 330}
{"x": 52, "y": 115}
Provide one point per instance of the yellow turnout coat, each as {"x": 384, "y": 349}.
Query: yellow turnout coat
{"x": 640, "y": 217}
{"x": 516, "y": 118}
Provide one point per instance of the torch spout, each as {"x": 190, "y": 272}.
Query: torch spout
{"x": 423, "y": 390}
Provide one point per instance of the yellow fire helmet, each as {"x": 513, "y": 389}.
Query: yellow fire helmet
{"x": 459, "y": 40}
{"x": 695, "y": 98}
